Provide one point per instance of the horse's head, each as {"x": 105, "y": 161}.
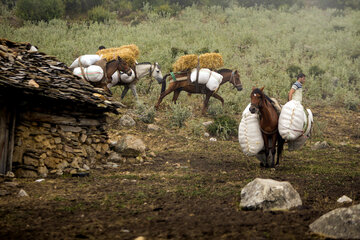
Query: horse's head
{"x": 155, "y": 72}
{"x": 235, "y": 80}
{"x": 123, "y": 66}
{"x": 257, "y": 97}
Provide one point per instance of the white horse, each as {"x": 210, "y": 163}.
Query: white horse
{"x": 141, "y": 70}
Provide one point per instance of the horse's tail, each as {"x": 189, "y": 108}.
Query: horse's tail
{"x": 163, "y": 83}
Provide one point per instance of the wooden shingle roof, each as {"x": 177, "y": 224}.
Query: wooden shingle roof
{"x": 35, "y": 73}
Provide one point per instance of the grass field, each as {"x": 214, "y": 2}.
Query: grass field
{"x": 266, "y": 46}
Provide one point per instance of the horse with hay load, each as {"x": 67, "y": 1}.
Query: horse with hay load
{"x": 196, "y": 74}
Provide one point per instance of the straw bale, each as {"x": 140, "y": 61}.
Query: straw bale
{"x": 132, "y": 47}
{"x": 207, "y": 60}
{"x": 126, "y": 54}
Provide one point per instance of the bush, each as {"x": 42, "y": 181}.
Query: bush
{"x": 146, "y": 114}
{"x": 223, "y": 127}
{"x": 99, "y": 14}
{"x": 37, "y": 10}
{"x": 179, "y": 115}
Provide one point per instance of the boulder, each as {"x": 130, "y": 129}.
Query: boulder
{"x": 341, "y": 223}
{"x": 130, "y": 146}
{"x": 268, "y": 194}
{"x": 127, "y": 121}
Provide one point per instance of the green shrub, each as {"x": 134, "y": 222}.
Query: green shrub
{"x": 316, "y": 71}
{"x": 99, "y": 14}
{"x": 223, "y": 127}
{"x": 37, "y": 10}
{"x": 146, "y": 114}
{"x": 179, "y": 114}
{"x": 293, "y": 71}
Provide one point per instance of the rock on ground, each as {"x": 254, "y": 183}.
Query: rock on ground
{"x": 268, "y": 194}
{"x": 343, "y": 223}
{"x": 130, "y": 146}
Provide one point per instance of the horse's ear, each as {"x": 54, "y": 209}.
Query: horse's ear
{"x": 253, "y": 88}
{"x": 262, "y": 89}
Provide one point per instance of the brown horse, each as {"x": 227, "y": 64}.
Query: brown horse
{"x": 183, "y": 83}
{"x": 109, "y": 69}
{"x": 268, "y": 124}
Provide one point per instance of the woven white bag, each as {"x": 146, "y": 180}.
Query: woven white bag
{"x": 214, "y": 81}
{"x": 250, "y": 137}
{"x": 204, "y": 75}
{"x": 92, "y": 73}
{"x": 86, "y": 60}
{"x": 291, "y": 120}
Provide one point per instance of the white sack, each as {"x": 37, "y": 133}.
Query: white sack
{"x": 86, "y": 60}
{"x": 124, "y": 77}
{"x": 92, "y": 73}
{"x": 204, "y": 75}
{"x": 214, "y": 81}
{"x": 291, "y": 121}
{"x": 250, "y": 137}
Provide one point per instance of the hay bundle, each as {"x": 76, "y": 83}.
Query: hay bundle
{"x": 207, "y": 60}
{"x": 127, "y": 52}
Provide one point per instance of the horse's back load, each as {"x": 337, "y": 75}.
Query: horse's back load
{"x": 250, "y": 137}
{"x": 206, "y": 60}
{"x": 127, "y": 52}
{"x": 85, "y": 60}
{"x": 293, "y": 121}
{"x": 93, "y": 73}
{"x": 206, "y": 76}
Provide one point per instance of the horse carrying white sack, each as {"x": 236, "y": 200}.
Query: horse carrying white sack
{"x": 141, "y": 70}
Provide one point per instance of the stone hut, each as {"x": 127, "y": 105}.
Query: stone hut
{"x": 51, "y": 121}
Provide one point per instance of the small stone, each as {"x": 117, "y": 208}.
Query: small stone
{"x": 22, "y": 193}
{"x": 206, "y": 134}
{"x": 207, "y": 123}
{"x": 344, "y": 199}
{"x": 213, "y": 139}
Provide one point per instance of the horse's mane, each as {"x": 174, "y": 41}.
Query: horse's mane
{"x": 143, "y": 63}
{"x": 257, "y": 90}
{"x": 224, "y": 70}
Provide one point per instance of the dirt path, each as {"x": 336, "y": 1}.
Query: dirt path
{"x": 190, "y": 190}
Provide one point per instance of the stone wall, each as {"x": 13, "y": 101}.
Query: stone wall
{"x": 42, "y": 148}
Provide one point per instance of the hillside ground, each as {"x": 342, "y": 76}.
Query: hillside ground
{"x": 189, "y": 188}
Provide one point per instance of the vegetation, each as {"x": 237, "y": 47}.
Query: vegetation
{"x": 223, "y": 127}
{"x": 268, "y": 47}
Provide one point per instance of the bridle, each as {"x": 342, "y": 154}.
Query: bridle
{"x": 151, "y": 69}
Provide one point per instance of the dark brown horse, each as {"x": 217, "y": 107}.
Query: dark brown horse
{"x": 183, "y": 83}
{"x": 268, "y": 125}
{"x": 109, "y": 69}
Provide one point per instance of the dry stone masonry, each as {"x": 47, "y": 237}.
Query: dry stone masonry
{"x": 51, "y": 121}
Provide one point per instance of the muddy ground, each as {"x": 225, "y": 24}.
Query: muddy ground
{"x": 190, "y": 189}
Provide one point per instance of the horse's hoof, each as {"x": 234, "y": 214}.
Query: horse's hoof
{"x": 262, "y": 164}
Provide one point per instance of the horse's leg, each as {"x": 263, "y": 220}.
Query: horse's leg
{"x": 170, "y": 89}
{"x": 217, "y": 96}
{"x": 273, "y": 149}
{"x": 280, "y": 148}
{"x": 126, "y": 89}
{"x": 176, "y": 95}
{"x": 206, "y": 103}
{"x": 266, "y": 143}
{"x": 133, "y": 89}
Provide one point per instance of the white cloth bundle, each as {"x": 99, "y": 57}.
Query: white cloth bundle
{"x": 291, "y": 121}
{"x": 250, "y": 137}
{"x": 123, "y": 77}
{"x": 206, "y": 76}
{"x": 86, "y": 60}
{"x": 92, "y": 73}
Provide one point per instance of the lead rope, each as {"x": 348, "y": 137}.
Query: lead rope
{"x": 82, "y": 70}
{"x": 197, "y": 75}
